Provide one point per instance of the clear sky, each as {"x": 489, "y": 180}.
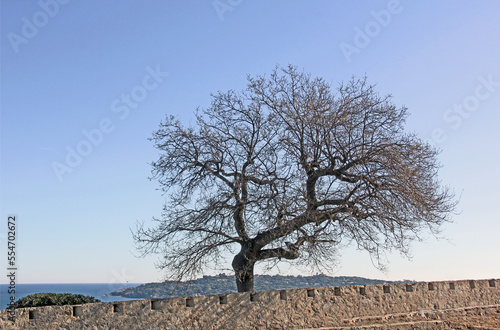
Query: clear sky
{"x": 85, "y": 83}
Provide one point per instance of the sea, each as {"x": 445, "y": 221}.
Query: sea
{"x": 96, "y": 290}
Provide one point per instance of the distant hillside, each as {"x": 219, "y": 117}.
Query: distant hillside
{"x": 223, "y": 284}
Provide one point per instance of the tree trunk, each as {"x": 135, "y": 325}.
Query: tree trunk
{"x": 244, "y": 280}
{"x": 243, "y": 271}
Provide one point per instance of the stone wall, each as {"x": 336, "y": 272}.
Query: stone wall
{"x": 282, "y": 309}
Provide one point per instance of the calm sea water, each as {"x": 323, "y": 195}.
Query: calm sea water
{"x": 97, "y": 290}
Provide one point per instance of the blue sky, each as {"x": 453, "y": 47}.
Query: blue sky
{"x": 85, "y": 83}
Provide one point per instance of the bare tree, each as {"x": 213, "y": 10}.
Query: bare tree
{"x": 286, "y": 170}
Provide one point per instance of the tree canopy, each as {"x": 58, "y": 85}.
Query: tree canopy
{"x": 288, "y": 169}
{"x": 53, "y": 299}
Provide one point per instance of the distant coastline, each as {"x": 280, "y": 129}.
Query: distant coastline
{"x": 223, "y": 284}
{"x": 97, "y": 290}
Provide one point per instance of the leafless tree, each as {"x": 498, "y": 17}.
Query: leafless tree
{"x": 287, "y": 169}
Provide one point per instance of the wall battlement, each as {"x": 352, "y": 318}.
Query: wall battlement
{"x": 279, "y": 309}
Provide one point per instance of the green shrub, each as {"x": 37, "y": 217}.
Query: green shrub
{"x": 51, "y": 299}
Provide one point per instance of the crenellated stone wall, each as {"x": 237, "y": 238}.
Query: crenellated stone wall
{"x": 281, "y": 309}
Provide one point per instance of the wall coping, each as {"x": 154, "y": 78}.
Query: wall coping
{"x": 342, "y": 295}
